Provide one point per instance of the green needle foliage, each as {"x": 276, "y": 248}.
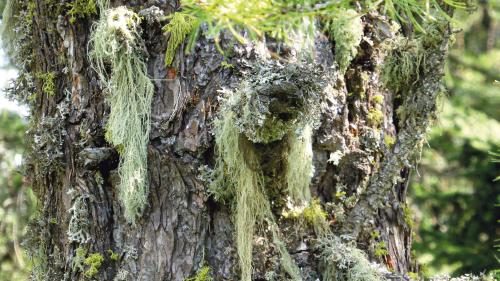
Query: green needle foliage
{"x": 180, "y": 26}
{"x": 292, "y": 20}
{"x": 115, "y": 43}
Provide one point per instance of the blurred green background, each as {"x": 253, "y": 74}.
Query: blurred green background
{"x": 452, "y": 193}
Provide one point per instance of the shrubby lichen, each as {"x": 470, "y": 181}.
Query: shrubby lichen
{"x": 115, "y": 42}
{"x": 344, "y": 261}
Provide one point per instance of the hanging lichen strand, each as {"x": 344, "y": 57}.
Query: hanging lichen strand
{"x": 129, "y": 91}
{"x": 275, "y": 103}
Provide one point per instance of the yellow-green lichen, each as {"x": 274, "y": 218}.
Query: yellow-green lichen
{"x": 79, "y": 9}
{"x": 413, "y": 276}
{"x": 378, "y": 99}
{"x": 389, "y": 141}
{"x": 203, "y": 274}
{"x": 408, "y": 216}
{"x": 94, "y": 262}
{"x": 48, "y": 84}
{"x": 113, "y": 256}
{"x": 375, "y": 117}
{"x": 179, "y": 27}
{"x": 381, "y": 249}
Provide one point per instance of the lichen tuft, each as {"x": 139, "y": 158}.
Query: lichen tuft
{"x": 117, "y": 58}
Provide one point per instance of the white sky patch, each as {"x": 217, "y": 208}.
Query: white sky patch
{"x": 7, "y": 73}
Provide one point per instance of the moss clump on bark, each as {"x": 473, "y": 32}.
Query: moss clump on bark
{"x": 115, "y": 42}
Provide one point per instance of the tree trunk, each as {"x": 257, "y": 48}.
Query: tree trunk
{"x": 363, "y": 153}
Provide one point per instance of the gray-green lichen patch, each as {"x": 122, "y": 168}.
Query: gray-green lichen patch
{"x": 78, "y": 228}
{"x": 275, "y": 99}
{"x": 342, "y": 260}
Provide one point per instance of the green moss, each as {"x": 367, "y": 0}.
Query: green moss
{"x": 179, "y": 27}
{"x": 408, "y": 216}
{"x": 389, "y": 140}
{"x": 381, "y": 249}
{"x": 317, "y": 217}
{"x": 375, "y": 117}
{"x": 48, "y": 85}
{"x": 118, "y": 59}
{"x": 203, "y": 274}
{"x": 79, "y": 9}
{"x": 94, "y": 262}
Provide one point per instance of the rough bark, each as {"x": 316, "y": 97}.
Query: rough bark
{"x": 183, "y": 227}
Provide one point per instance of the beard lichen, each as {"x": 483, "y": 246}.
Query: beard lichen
{"x": 129, "y": 91}
{"x": 275, "y": 104}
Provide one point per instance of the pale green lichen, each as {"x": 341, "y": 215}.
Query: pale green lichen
{"x": 179, "y": 27}
{"x": 79, "y": 259}
{"x": 7, "y": 29}
{"x": 237, "y": 165}
{"x": 347, "y": 30}
{"x": 115, "y": 43}
{"x": 78, "y": 227}
{"x": 300, "y": 167}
